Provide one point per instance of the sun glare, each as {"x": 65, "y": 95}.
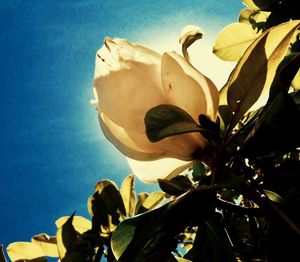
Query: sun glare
{"x": 201, "y": 56}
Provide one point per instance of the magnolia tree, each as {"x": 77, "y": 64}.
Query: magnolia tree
{"x": 227, "y": 161}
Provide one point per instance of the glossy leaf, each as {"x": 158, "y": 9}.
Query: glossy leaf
{"x": 128, "y": 194}
{"x": 168, "y": 120}
{"x": 233, "y": 40}
{"x": 176, "y": 186}
{"x": 47, "y": 244}
{"x": 25, "y": 251}
{"x": 138, "y": 238}
{"x": 225, "y": 116}
{"x": 179, "y": 170}
{"x": 141, "y": 198}
{"x": 277, "y": 130}
{"x": 285, "y": 73}
{"x": 212, "y": 242}
{"x": 199, "y": 170}
{"x": 296, "y": 81}
{"x": 253, "y": 75}
{"x": 152, "y": 201}
{"x": 273, "y": 196}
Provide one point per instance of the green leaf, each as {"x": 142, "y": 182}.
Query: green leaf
{"x": 254, "y": 73}
{"x": 253, "y": 17}
{"x": 199, "y": 170}
{"x": 285, "y": 73}
{"x": 273, "y": 196}
{"x": 138, "y": 238}
{"x": 141, "y": 198}
{"x": 179, "y": 170}
{"x": 128, "y": 194}
{"x": 277, "y": 130}
{"x": 233, "y": 40}
{"x": 168, "y": 120}
{"x": 170, "y": 187}
{"x": 181, "y": 259}
{"x": 152, "y": 201}
{"x": 214, "y": 128}
{"x": 286, "y": 175}
{"x": 176, "y": 186}
{"x": 225, "y": 116}
{"x": 212, "y": 242}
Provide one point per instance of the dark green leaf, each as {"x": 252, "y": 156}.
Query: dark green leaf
{"x": 167, "y": 120}
{"x": 255, "y": 71}
{"x": 138, "y": 238}
{"x": 107, "y": 201}
{"x": 285, "y": 73}
{"x": 139, "y": 205}
{"x": 152, "y": 201}
{"x": 276, "y": 130}
{"x": 66, "y": 238}
{"x": 2, "y": 256}
{"x": 199, "y": 170}
{"x": 225, "y": 115}
{"x": 212, "y": 242}
{"x": 287, "y": 174}
{"x": 296, "y": 97}
{"x": 176, "y": 186}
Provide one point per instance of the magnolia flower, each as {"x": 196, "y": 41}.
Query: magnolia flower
{"x": 131, "y": 79}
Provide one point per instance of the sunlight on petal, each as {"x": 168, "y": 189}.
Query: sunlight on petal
{"x": 150, "y": 171}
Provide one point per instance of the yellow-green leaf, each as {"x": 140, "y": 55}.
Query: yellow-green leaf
{"x": 179, "y": 170}
{"x": 47, "y": 244}
{"x": 273, "y": 196}
{"x": 128, "y": 194}
{"x": 141, "y": 198}
{"x": 258, "y": 16}
{"x": 89, "y": 206}
{"x": 153, "y": 200}
{"x": 24, "y": 251}
{"x": 233, "y": 40}
{"x": 296, "y": 81}
{"x": 244, "y": 15}
{"x": 254, "y": 73}
{"x": 181, "y": 259}
{"x": 80, "y": 223}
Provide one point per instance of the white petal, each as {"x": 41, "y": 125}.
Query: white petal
{"x": 150, "y": 171}
{"x": 187, "y": 88}
{"x": 121, "y": 93}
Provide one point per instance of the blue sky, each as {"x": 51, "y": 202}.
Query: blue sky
{"x": 52, "y": 151}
